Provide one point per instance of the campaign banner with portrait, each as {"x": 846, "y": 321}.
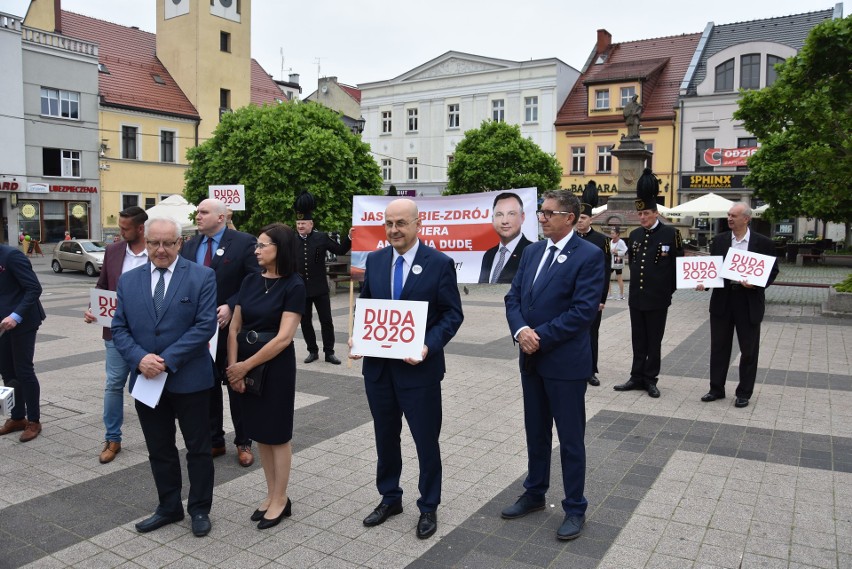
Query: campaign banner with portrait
{"x": 745, "y": 266}
{"x": 468, "y": 228}
{"x": 394, "y": 329}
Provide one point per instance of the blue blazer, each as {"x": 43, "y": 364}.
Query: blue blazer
{"x": 436, "y": 284}
{"x": 19, "y": 290}
{"x": 182, "y": 332}
{"x": 563, "y": 310}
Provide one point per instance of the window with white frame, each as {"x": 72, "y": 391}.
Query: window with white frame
{"x": 412, "y": 120}
{"x": 604, "y": 159}
{"x": 130, "y": 143}
{"x": 771, "y": 74}
{"x": 627, "y": 94}
{"x": 601, "y": 99}
{"x": 702, "y": 145}
{"x": 167, "y": 146}
{"x": 129, "y": 200}
{"x": 60, "y": 104}
{"x": 60, "y": 163}
{"x": 530, "y": 109}
{"x": 498, "y": 110}
{"x": 387, "y": 122}
{"x": 750, "y": 71}
{"x": 724, "y": 77}
{"x": 453, "y": 116}
{"x": 387, "y": 169}
{"x": 578, "y": 159}
{"x": 412, "y": 168}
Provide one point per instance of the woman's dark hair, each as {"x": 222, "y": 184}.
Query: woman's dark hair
{"x": 285, "y": 241}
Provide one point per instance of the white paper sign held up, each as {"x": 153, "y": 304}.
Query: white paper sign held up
{"x": 752, "y": 268}
{"x": 394, "y": 329}
{"x": 693, "y": 271}
{"x": 103, "y": 304}
{"x": 233, "y": 195}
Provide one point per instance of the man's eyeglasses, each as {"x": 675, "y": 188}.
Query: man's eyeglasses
{"x": 548, "y": 213}
{"x": 164, "y": 244}
{"x": 262, "y": 245}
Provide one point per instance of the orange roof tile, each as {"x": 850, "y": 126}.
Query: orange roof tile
{"x": 660, "y": 63}
{"x": 129, "y": 54}
{"x": 263, "y": 89}
{"x": 353, "y": 92}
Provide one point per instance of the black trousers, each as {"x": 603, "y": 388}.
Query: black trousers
{"x": 721, "y": 342}
{"x": 217, "y": 419}
{"x": 158, "y": 426}
{"x": 17, "y": 349}
{"x": 593, "y": 333}
{"x": 647, "y": 328}
{"x": 323, "y": 304}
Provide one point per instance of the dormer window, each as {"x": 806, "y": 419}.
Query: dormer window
{"x": 724, "y": 77}
{"x": 601, "y": 99}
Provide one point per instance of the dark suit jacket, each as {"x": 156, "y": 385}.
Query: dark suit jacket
{"x": 110, "y": 272}
{"x": 183, "y": 330}
{"x": 756, "y": 296}
{"x": 311, "y": 259}
{"x": 437, "y": 285}
{"x": 236, "y": 261}
{"x": 509, "y": 268}
{"x": 562, "y": 311}
{"x": 19, "y": 290}
{"x": 653, "y": 275}
{"x": 602, "y": 242}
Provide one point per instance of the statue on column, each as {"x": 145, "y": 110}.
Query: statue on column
{"x": 632, "y": 113}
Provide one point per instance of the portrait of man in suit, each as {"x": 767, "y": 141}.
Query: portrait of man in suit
{"x": 164, "y": 319}
{"x": 500, "y": 262}
{"x": 410, "y": 270}
{"x": 120, "y": 257}
{"x": 550, "y": 308}
{"x": 737, "y": 306}
{"x": 230, "y": 253}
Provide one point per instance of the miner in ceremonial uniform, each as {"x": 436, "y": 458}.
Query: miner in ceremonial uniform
{"x": 585, "y": 230}
{"x": 653, "y": 249}
{"x": 310, "y": 257}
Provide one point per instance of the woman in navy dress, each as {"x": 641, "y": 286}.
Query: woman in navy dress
{"x": 268, "y": 311}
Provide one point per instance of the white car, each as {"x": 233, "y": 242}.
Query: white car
{"x": 79, "y": 255}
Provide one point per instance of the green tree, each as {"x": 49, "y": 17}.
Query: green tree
{"x": 803, "y": 122}
{"x": 496, "y": 156}
{"x": 278, "y": 150}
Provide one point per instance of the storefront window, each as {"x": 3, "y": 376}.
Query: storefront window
{"x": 53, "y": 214}
{"x": 78, "y": 219}
{"x": 28, "y": 219}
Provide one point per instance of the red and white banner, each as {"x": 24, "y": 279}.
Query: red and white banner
{"x": 745, "y": 266}
{"x": 693, "y": 271}
{"x": 394, "y": 329}
{"x": 460, "y": 226}
{"x": 728, "y": 156}
{"x": 103, "y": 303}
{"x": 234, "y": 195}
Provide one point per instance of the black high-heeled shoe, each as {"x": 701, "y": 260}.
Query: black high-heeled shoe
{"x": 266, "y": 523}
{"x": 257, "y": 515}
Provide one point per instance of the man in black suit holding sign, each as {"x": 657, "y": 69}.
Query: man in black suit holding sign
{"x": 738, "y": 306}
{"x": 508, "y": 218}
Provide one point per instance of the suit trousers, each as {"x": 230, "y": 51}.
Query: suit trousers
{"x": 593, "y": 334}
{"x": 17, "y": 349}
{"x": 389, "y": 401}
{"x": 217, "y": 410}
{"x": 158, "y": 427}
{"x": 323, "y": 304}
{"x": 548, "y": 400}
{"x": 721, "y": 341}
{"x": 647, "y": 328}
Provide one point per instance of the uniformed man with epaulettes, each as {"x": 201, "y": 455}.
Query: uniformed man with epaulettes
{"x": 653, "y": 249}
{"x": 587, "y": 232}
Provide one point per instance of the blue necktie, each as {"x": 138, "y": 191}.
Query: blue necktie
{"x": 397, "y": 278}
{"x": 546, "y": 267}
{"x": 160, "y": 292}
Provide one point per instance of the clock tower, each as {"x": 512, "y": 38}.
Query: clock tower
{"x": 206, "y": 47}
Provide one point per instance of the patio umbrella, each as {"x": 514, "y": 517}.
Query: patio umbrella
{"x": 709, "y": 205}
{"x": 177, "y": 207}
{"x": 759, "y": 211}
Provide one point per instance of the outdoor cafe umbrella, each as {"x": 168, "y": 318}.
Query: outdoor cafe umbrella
{"x": 177, "y": 207}
{"x": 709, "y": 205}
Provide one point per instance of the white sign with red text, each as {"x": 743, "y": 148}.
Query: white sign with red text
{"x": 745, "y": 266}
{"x": 233, "y": 195}
{"x": 394, "y": 329}
{"x": 103, "y": 303}
{"x": 694, "y": 271}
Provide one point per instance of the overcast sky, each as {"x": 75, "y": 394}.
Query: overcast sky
{"x": 371, "y": 40}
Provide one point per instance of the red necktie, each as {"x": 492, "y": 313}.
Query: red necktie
{"x": 208, "y": 255}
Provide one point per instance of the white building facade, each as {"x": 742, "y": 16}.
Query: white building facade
{"x": 414, "y": 121}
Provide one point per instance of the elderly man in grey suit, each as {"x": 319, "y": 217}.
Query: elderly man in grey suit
{"x": 163, "y": 323}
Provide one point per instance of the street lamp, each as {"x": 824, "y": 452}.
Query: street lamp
{"x": 359, "y": 125}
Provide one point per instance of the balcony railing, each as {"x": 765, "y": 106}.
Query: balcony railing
{"x": 58, "y": 41}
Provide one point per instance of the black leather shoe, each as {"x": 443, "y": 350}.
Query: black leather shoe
{"x": 653, "y": 391}
{"x": 200, "y": 525}
{"x": 332, "y": 359}
{"x": 156, "y": 522}
{"x": 570, "y": 528}
{"x": 707, "y": 398}
{"x": 427, "y": 524}
{"x": 629, "y": 385}
{"x": 593, "y": 381}
{"x": 524, "y": 505}
{"x": 312, "y": 357}
{"x": 257, "y": 515}
{"x": 381, "y": 513}
{"x": 741, "y": 402}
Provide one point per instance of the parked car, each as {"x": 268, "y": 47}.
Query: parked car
{"x": 78, "y": 255}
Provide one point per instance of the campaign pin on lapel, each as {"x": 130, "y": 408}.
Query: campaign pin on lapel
{"x": 561, "y": 258}
{"x": 416, "y": 269}
{"x": 220, "y": 252}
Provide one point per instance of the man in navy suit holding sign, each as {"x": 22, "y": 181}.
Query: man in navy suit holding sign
{"x": 550, "y": 307}
{"x": 410, "y": 270}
